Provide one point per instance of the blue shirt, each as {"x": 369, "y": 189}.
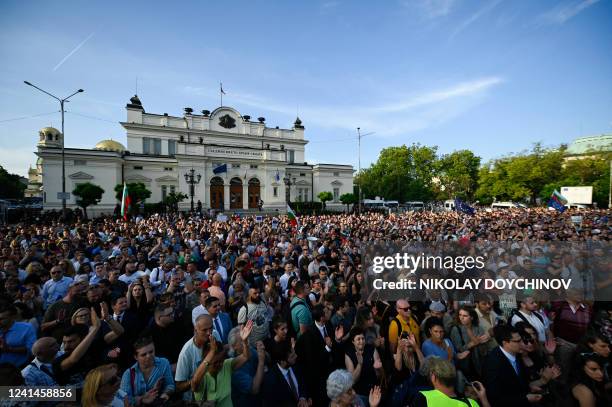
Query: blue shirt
{"x": 55, "y": 290}
{"x": 20, "y": 334}
{"x": 429, "y": 348}
{"x": 161, "y": 370}
{"x": 242, "y": 381}
{"x": 37, "y": 374}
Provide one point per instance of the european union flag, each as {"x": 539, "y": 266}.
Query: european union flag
{"x": 461, "y": 206}
{"x": 220, "y": 169}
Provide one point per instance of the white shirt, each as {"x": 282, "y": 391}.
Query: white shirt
{"x": 130, "y": 279}
{"x": 322, "y": 331}
{"x": 534, "y": 322}
{"x": 511, "y": 358}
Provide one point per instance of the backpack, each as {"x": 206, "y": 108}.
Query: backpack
{"x": 519, "y": 314}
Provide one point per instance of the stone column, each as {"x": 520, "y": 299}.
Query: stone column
{"x": 226, "y": 197}
{"x": 245, "y": 196}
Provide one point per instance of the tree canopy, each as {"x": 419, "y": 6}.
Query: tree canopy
{"x": 11, "y": 186}
{"x": 88, "y": 194}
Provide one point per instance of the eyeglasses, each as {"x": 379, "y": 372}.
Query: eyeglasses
{"x": 516, "y": 340}
{"x": 527, "y": 341}
{"x": 403, "y": 309}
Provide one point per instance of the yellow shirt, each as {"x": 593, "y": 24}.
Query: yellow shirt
{"x": 409, "y": 326}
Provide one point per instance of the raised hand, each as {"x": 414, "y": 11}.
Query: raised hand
{"x": 95, "y": 321}
{"x": 339, "y": 333}
{"x": 480, "y": 390}
{"x": 150, "y": 396}
{"x": 246, "y": 329}
{"x": 411, "y": 340}
{"x": 374, "y": 398}
{"x": 359, "y": 354}
{"x": 550, "y": 346}
{"x": 104, "y": 310}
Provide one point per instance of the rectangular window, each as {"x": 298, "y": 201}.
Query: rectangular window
{"x": 164, "y": 192}
{"x": 172, "y": 189}
{"x": 146, "y": 145}
{"x": 80, "y": 163}
{"x": 168, "y": 169}
{"x": 138, "y": 167}
{"x": 253, "y": 166}
{"x": 336, "y": 174}
{"x": 336, "y": 194}
{"x": 235, "y": 165}
{"x": 275, "y": 191}
{"x": 157, "y": 146}
{"x": 290, "y": 156}
{"x": 302, "y": 174}
{"x": 171, "y": 147}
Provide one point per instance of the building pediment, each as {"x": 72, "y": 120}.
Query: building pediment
{"x": 336, "y": 183}
{"x": 166, "y": 178}
{"x": 137, "y": 178}
{"x": 301, "y": 182}
{"x": 80, "y": 175}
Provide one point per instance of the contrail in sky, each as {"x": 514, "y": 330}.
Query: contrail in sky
{"x": 73, "y": 51}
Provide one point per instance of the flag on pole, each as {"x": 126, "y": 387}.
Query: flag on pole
{"x": 557, "y": 201}
{"x": 221, "y": 86}
{"x": 292, "y": 216}
{"x": 126, "y": 201}
{"x": 277, "y": 176}
{"x": 220, "y": 169}
{"x": 461, "y": 206}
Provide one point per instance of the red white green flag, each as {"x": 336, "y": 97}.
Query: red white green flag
{"x": 126, "y": 201}
{"x": 292, "y": 216}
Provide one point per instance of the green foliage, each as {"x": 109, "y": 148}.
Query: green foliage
{"x": 173, "y": 199}
{"x": 10, "y": 185}
{"x": 137, "y": 191}
{"x": 348, "y": 199}
{"x": 307, "y": 208}
{"x": 325, "y": 196}
{"x": 401, "y": 173}
{"x": 521, "y": 177}
{"x": 458, "y": 175}
{"x": 88, "y": 194}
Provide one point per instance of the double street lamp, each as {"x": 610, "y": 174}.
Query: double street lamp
{"x": 61, "y": 101}
{"x": 192, "y": 180}
{"x": 288, "y": 183}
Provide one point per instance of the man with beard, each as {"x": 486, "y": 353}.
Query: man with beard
{"x": 57, "y": 317}
{"x": 257, "y": 311}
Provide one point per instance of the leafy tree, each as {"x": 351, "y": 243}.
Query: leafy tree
{"x": 88, "y": 194}
{"x": 458, "y": 175}
{"x": 348, "y": 199}
{"x": 11, "y": 186}
{"x": 325, "y": 196}
{"x": 137, "y": 191}
{"x": 173, "y": 199}
{"x": 401, "y": 173}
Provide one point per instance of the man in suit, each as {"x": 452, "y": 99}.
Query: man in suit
{"x": 222, "y": 323}
{"x": 131, "y": 327}
{"x": 284, "y": 385}
{"x": 318, "y": 351}
{"x": 504, "y": 374}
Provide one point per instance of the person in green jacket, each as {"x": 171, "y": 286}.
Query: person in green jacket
{"x": 443, "y": 377}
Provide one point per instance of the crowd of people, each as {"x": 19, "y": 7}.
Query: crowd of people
{"x": 187, "y": 310}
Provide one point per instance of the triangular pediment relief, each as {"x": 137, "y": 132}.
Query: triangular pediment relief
{"x": 80, "y": 175}
{"x": 336, "y": 183}
{"x": 137, "y": 177}
{"x": 302, "y": 182}
{"x": 166, "y": 178}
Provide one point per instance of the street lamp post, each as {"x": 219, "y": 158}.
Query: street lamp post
{"x": 288, "y": 183}
{"x": 192, "y": 180}
{"x": 62, "y": 101}
{"x": 359, "y": 136}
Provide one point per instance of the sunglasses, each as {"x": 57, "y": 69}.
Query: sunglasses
{"x": 404, "y": 309}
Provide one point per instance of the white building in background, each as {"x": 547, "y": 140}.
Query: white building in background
{"x": 161, "y": 149}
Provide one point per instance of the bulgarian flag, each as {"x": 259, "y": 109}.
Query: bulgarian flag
{"x": 126, "y": 201}
{"x": 292, "y": 216}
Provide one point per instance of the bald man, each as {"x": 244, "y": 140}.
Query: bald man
{"x": 191, "y": 355}
{"x": 39, "y": 372}
{"x": 403, "y": 322}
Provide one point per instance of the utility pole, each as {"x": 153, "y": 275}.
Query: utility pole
{"x": 359, "y": 194}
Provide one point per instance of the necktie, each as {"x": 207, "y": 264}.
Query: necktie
{"x": 324, "y": 331}
{"x": 515, "y": 365}
{"x": 292, "y": 385}
{"x": 218, "y": 327}
{"x": 45, "y": 369}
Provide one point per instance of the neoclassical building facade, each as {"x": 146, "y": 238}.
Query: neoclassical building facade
{"x": 240, "y": 162}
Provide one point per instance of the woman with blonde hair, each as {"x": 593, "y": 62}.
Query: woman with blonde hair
{"x": 101, "y": 388}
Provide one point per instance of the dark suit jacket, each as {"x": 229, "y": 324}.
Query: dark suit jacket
{"x": 276, "y": 391}
{"x": 504, "y": 387}
{"x": 226, "y": 325}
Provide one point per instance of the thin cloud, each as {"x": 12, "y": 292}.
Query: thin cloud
{"x": 434, "y": 8}
{"x": 414, "y": 112}
{"x": 73, "y": 51}
{"x": 474, "y": 17}
{"x": 565, "y": 12}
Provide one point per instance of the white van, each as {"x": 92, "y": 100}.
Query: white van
{"x": 414, "y": 205}
{"x": 506, "y": 205}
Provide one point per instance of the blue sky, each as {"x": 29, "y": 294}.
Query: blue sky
{"x": 491, "y": 76}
